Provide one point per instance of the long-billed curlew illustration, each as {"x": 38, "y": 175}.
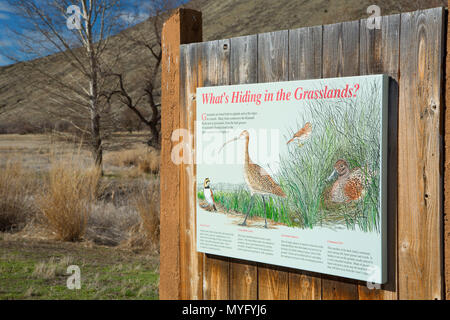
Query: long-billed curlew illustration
{"x": 257, "y": 179}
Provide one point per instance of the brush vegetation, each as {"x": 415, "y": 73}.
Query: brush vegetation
{"x": 67, "y": 200}
{"x": 16, "y": 196}
{"x": 146, "y": 159}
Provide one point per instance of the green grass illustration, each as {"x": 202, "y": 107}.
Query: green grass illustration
{"x": 350, "y": 130}
{"x": 239, "y": 200}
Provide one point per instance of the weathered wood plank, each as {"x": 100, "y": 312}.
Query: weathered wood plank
{"x": 243, "y": 60}
{"x": 273, "y": 63}
{"x": 341, "y": 49}
{"x": 273, "y": 57}
{"x": 305, "y": 53}
{"x": 216, "y": 71}
{"x": 305, "y": 62}
{"x": 420, "y": 154}
{"x": 447, "y": 167}
{"x": 192, "y": 269}
{"x": 243, "y": 69}
{"x": 243, "y": 280}
{"x": 183, "y": 26}
{"x": 305, "y": 285}
{"x": 340, "y": 59}
{"x": 379, "y": 53}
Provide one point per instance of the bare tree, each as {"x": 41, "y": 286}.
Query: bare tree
{"x": 80, "y": 32}
{"x": 145, "y": 104}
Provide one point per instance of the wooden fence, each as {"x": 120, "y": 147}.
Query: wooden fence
{"x": 410, "y": 47}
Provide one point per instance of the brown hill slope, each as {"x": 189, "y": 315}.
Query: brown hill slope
{"x": 221, "y": 19}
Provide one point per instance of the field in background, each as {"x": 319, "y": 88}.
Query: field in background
{"x": 56, "y": 210}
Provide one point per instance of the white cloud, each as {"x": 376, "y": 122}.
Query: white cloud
{"x": 133, "y": 18}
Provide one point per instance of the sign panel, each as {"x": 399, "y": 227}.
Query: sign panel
{"x": 294, "y": 174}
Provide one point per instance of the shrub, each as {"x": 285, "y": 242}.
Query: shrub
{"x": 146, "y": 234}
{"x": 146, "y": 159}
{"x": 16, "y": 207}
{"x": 68, "y": 198}
{"x": 150, "y": 162}
{"x": 108, "y": 224}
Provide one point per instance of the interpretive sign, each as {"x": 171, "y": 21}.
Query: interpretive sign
{"x": 294, "y": 174}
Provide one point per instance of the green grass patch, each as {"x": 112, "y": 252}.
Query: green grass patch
{"x": 26, "y": 274}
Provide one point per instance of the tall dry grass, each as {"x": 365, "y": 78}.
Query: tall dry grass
{"x": 67, "y": 198}
{"x": 145, "y": 235}
{"x": 16, "y": 203}
{"x": 108, "y": 224}
{"x": 144, "y": 158}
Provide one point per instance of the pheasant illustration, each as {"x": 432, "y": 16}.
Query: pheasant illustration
{"x": 207, "y": 191}
{"x": 302, "y": 135}
{"x": 257, "y": 179}
{"x": 349, "y": 185}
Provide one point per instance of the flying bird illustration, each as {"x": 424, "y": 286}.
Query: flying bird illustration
{"x": 207, "y": 191}
{"x": 302, "y": 135}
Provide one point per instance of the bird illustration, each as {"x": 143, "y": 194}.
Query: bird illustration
{"x": 207, "y": 191}
{"x": 257, "y": 179}
{"x": 302, "y": 135}
{"x": 349, "y": 185}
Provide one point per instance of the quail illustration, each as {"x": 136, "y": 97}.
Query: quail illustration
{"x": 207, "y": 191}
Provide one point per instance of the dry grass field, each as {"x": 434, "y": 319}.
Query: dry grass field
{"x": 56, "y": 210}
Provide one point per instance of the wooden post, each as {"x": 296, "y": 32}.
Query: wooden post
{"x": 447, "y": 166}
{"x": 184, "y": 26}
{"x": 420, "y": 155}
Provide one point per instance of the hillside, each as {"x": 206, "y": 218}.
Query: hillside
{"x": 22, "y": 102}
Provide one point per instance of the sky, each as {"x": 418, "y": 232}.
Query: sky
{"x": 6, "y": 14}
{"x": 132, "y": 12}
